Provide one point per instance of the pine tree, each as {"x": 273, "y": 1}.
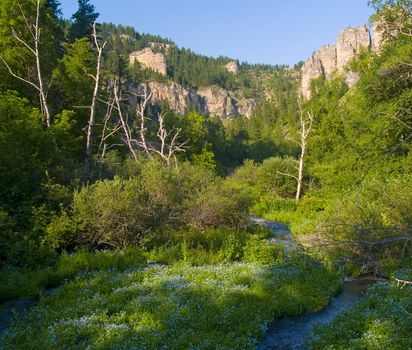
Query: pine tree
{"x": 83, "y": 21}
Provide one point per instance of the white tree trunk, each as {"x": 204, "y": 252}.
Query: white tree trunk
{"x": 305, "y": 128}
{"x": 90, "y": 125}
{"x": 34, "y": 49}
{"x": 300, "y": 172}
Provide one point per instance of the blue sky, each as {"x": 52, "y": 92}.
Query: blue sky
{"x": 259, "y": 31}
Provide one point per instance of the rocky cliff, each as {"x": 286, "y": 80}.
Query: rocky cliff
{"x": 331, "y": 59}
{"x": 149, "y": 60}
{"x": 208, "y": 101}
{"x": 232, "y": 67}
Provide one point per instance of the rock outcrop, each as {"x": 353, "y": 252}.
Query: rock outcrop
{"x": 218, "y": 102}
{"x": 246, "y": 106}
{"x": 179, "y": 99}
{"x": 349, "y": 43}
{"x": 149, "y": 60}
{"x": 321, "y": 63}
{"x": 331, "y": 59}
{"x": 159, "y": 46}
{"x": 126, "y": 37}
{"x": 378, "y": 38}
{"x": 208, "y": 101}
{"x": 232, "y": 67}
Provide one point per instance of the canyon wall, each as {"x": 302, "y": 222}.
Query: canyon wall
{"x": 333, "y": 59}
{"x": 208, "y": 101}
{"x": 149, "y": 60}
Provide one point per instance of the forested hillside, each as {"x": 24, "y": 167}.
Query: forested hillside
{"x": 135, "y": 218}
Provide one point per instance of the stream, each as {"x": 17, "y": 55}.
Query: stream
{"x": 290, "y": 333}
{"x": 293, "y": 333}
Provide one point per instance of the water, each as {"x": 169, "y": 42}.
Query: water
{"x": 11, "y": 309}
{"x": 293, "y": 333}
{"x": 17, "y": 308}
{"x": 281, "y": 232}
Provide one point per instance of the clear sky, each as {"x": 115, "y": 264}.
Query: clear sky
{"x": 256, "y": 31}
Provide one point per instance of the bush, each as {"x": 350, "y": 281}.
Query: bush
{"x": 265, "y": 178}
{"x": 219, "y": 205}
{"x": 118, "y": 213}
{"x": 260, "y": 251}
{"x": 372, "y": 224}
{"x": 270, "y": 181}
{"x": 122, "y": 212}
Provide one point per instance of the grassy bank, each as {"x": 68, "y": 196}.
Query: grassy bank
{"x": 383, "y": 320}
{"x": 22, "y": 282}
{"x": 225, "y": 306}
{"x": 209, "y": 246}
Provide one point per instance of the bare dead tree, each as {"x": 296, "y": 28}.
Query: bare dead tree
{"x": 169, "y": 142}
{"x": 90, "y": 125}
{"x": 33, "y": 48}
{"x": 107, "y": 131}
{"x": 127, "y": 133}
{"x": 140, "y": 113}
{"x": 305, "y": 128}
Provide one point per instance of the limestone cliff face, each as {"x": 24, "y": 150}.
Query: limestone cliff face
{"x": 331, "y": 59}
{"x": 209, "y": 101}
{"x": 246, "y": 106}
{"x": 378, "y": 37}
{"x": 321, "y": 63}
{"x": 232, "y": 67}
{"x": 148, "y": 59}
{"x": 180, "y": 100}
{"x": 217, "y": 101}
{"x": 349, "y": 43}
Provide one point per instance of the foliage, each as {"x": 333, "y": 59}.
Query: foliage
{"x": 18, "y": 282}
{"x": 83, "y": 20}
{"x": 30, "y": 166}
{"x": 72, "y": 78}
{"x": 392, "y": 18}
{"x": 373, "y": 224}
{"x": 120, "y": 212}
{"x": 381, "y": 320}
{"x": 17, "y": 15}
{"x": 220, "y": 306}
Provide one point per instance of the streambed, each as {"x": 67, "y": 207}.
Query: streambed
{"x": 287, "y": 333}
{"x": 293, "y": 333}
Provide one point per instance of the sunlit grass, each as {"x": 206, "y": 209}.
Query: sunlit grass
{"x": 223, "y": 306}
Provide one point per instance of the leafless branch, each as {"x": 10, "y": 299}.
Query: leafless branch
{"x": 90, "y": 125}
{"x": 17, "y": 76}
{"x": 289, "y": 175}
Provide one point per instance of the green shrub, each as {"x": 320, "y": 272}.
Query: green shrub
{"x": 129, "y": 212}
{"x": 372, "y": 224}
{"x": 118, "y": 213}
{"x": 232, "y": 248}
{"x": 269, "y": 179}
{"x": 219, "y": 205}
{"x": 260, "y": 251}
